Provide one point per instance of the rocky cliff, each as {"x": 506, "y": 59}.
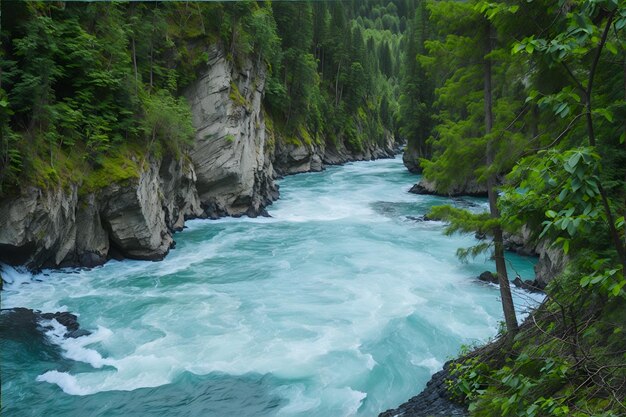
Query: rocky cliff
{"x": 230, "y": 154}
{"x": 229, "y": 171}
{"x": 57, "y": 227}
{"x": 410, "y": 158}
{"x": 296, "y": 158}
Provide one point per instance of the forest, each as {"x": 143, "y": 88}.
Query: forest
{"x": 85, "y": 86}
{"x": 519, "y": 101}
{"x": 526, "y": 100}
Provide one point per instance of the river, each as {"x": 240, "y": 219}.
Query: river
{"x": 342, "y": 303}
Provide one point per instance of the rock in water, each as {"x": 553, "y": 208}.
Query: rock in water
{"x": 488, "y": 277}
{"x": 22, "y": 323}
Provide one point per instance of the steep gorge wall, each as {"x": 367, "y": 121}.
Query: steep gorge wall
{"x": 57, "y": 227}
{"x": 229, "y": 171}
{"x": 231, "y": 155}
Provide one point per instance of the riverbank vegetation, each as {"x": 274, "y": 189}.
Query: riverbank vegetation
{"x": 528, "y": 100}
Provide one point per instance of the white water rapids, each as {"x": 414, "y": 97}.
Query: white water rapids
{"x": 341, "y": 304}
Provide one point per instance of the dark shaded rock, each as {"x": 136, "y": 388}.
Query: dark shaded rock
{"x": 69, "y": 320}
{"x": 410, "y": 159}
{"x": 470, "y": 188}
{"x": 552, "y": 261}
{"x": 521, "y": 243}
{"x": 480, "y": 236}
{"x": 17, "y": 320}
{"x": 528, "y": 285}
{"x": 78, "y": 333}
{"x": 488, "y": 277}
{"x": 433, "y": 401}
{"x": 420, "y": 189}
{"x": 22, "y": 323}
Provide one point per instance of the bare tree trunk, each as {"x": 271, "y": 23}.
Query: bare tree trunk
{"x": 503, "y": 279}
{"x": 614, "y": 233}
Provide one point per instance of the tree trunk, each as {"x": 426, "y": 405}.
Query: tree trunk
{"x": 503, "y": 279}
{"x": 620, "y": 248}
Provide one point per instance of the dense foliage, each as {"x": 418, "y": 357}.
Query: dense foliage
{"x": 529, "y": 102}
{"x": 90, "y": 85}
{"x": 336, "y": 83}
{"x": 83, "y": 84}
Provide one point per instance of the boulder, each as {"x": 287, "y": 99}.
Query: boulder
{"x": 24, "y": 323}
{"x": 488, "y": 277}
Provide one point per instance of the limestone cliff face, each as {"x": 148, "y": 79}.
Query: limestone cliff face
{"x": 51, "y": 228}
{"x": 37, "y": 226}
{"x": 232, "y": 161}
{"x": 552, "y": 260}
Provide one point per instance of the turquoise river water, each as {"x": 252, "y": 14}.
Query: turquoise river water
{"x": 341, "y": 304}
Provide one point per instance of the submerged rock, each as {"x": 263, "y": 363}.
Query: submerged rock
{"x": 463, "y": 203}
{"x": 422, "y": 218}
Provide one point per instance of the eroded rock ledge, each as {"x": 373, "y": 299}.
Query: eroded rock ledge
{"x": 469, "y": 188}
